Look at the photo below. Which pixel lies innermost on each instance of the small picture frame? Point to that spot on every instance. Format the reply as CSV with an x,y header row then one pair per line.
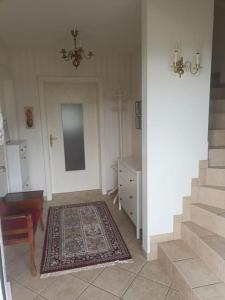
x,y
138,124
29,116
138,108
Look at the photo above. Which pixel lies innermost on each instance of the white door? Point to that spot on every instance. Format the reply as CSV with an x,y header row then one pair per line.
x,y
73,136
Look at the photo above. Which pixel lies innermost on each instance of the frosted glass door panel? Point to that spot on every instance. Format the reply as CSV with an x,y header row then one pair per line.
x,y
73,136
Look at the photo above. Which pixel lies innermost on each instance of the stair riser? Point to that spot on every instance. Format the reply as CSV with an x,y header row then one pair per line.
x,y
217,106
217,93
214,177
209,220
209,196
179,282
216,157
216,138
186,209
217,121
215,262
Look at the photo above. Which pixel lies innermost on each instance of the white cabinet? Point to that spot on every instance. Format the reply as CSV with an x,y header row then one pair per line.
x,y
17,166
129,178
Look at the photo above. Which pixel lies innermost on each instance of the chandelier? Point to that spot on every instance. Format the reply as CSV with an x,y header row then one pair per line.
x,y
78,53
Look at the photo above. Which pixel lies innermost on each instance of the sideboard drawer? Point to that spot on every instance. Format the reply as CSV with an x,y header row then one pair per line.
x,y
130,193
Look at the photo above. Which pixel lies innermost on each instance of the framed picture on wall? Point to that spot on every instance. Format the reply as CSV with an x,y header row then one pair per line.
x,y
138,115
29,116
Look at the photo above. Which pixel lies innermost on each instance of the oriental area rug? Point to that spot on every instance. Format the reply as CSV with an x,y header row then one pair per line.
x,y
81,236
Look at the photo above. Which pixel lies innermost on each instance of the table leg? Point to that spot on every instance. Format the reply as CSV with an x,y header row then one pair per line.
x,y
42,222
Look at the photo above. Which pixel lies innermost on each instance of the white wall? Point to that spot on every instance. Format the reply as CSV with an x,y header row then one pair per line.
x,y
4,62
4,77
176,110
4,69
136,92
114,69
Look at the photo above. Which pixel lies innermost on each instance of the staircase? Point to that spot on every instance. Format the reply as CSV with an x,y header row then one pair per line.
x,y
196,262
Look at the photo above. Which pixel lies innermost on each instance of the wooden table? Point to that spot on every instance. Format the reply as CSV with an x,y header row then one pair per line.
x,y
21,201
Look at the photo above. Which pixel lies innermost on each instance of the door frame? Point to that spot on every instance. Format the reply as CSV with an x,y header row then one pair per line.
x,y
45,133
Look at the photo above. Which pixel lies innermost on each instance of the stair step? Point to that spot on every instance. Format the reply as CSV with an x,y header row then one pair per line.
x,y
215,176
217,137
209,195
209,217
217,121
217,106
187,270
217,93
210,292
216,157
209,246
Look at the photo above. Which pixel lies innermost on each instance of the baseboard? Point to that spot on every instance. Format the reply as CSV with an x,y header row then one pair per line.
x,y
155,240
160,238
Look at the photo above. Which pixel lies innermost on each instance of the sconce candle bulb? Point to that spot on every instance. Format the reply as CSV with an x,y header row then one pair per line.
x,y
175,56
197,58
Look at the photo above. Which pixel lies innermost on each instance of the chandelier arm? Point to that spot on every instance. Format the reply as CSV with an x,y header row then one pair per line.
x,y
88,55
70,54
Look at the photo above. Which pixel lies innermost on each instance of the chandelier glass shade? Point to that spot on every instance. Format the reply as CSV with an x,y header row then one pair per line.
x,y
78,53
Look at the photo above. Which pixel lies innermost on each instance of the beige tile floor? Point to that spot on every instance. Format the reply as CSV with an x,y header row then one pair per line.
x,y
139,280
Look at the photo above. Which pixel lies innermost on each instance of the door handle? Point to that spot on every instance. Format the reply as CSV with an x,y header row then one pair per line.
x,y
51,139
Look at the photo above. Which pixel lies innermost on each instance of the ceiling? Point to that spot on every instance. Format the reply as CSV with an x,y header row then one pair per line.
x,y
105,24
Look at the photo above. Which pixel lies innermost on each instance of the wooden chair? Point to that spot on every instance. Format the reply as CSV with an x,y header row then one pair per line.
x,y
20,228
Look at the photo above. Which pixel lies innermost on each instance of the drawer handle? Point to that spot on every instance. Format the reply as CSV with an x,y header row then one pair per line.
x,y
131,213
120,171
121,199
131,180
131,197
121,185
24,157
21,149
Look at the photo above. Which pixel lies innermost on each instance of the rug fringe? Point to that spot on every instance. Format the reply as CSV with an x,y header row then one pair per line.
x,y
88,268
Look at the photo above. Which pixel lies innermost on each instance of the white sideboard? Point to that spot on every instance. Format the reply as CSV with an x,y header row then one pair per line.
x,y
17,166
129,179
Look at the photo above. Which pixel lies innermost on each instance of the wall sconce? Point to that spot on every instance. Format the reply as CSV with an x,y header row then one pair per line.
x,y
179,66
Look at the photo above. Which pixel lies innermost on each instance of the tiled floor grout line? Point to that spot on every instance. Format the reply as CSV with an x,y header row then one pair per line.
x,y
24,286
133,280
129,285
167,293
184,259
197,287
92,284
155,281
83,292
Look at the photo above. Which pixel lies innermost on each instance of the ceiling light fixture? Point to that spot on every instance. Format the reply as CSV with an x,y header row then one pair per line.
x,y
78,53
